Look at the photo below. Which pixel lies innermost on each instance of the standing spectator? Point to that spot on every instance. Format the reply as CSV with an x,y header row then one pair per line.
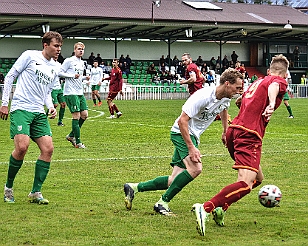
x,y
122,59
36,72
180,70
198,113
296,53
225,63
99,59
115,87
128,60
303,79
234,57
162,60
199,61
193,75
244,141
212,63
72,70
175,62
58,98
91,59
218,65
162,67
96,76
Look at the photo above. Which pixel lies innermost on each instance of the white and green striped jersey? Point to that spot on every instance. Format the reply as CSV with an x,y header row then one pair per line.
x,y
69,68
202,108
36,78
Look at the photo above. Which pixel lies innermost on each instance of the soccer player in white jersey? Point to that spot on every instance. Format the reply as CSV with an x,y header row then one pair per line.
x,y
198,113
36,73
58,98
72,70
96,76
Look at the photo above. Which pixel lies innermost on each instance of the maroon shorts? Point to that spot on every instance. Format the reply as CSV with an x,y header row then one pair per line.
x,y
244,148
112,95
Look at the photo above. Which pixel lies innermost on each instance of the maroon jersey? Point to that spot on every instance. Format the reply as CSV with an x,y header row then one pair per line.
x,y
115,80
199,78
254,102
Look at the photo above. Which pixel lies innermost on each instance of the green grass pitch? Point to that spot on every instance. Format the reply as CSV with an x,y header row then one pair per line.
x,y
85,186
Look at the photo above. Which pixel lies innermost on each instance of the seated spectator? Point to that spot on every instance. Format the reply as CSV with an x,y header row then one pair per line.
x,y
125,68
152,70
210,78
162,67
91,59
164,78
1,78
253,78
180,70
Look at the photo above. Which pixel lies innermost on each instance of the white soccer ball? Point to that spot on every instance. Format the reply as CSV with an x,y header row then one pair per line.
x,y
270,196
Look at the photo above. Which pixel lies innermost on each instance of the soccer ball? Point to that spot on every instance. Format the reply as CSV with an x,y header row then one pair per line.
x,y
270,196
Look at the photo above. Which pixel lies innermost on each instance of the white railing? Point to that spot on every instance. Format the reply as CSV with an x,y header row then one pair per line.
x,y
150,92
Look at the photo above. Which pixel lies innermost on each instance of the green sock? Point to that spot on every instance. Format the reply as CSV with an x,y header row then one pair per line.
x,y
177,185
289,110
76,130
81,121
14,166
61,114
41,171
159,183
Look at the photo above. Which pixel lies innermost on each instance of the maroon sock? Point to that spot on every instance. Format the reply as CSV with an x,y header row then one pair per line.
x,y
115,108
228,195
256,184
111,110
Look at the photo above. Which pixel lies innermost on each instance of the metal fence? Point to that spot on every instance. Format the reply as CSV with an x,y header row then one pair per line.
x,y
150,92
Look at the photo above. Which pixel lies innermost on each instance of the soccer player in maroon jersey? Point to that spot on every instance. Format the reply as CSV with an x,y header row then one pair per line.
x,y
115,87
244,141
193,75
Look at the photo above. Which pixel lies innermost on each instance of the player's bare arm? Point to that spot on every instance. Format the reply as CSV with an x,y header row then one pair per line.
x,y
273,90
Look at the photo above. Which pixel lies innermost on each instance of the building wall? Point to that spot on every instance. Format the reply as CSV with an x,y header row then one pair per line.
x,y
138,50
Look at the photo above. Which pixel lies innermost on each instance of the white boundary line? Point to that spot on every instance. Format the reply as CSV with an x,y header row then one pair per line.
x,y
150,157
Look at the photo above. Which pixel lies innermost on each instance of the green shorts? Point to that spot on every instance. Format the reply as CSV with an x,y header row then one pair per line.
x,y
57,96
95,87
76,103
286,96
180,149
34,125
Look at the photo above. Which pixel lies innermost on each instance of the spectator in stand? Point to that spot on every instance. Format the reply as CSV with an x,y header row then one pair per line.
x,y
193,75
175,62
210,79
128,60
199,61
91,59
234,57
180,70
152,70
122,59
164,78
212,63
162,67
205,67
296,56
125,68
168,60
225,63
218,65
99,59
303,79
162,60
254,77
1,78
